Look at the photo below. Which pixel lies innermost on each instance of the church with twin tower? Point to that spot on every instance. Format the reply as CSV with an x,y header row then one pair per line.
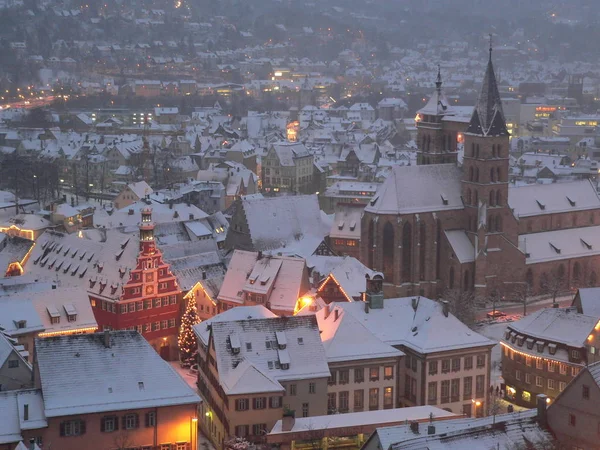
x,y
448,223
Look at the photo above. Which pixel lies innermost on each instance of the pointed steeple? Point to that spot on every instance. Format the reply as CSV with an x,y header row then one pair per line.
x,y
438,81
438,104
488,117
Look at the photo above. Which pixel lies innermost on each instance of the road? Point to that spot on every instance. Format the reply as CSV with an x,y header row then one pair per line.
x,y
517,310
28,104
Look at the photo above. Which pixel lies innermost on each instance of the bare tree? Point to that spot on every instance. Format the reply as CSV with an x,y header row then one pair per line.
x,y
122,440
462,305
553,284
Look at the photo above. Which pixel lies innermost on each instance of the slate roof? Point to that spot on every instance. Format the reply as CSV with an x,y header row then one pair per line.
x,y
418,189
461,245
11,406
560,244
80,375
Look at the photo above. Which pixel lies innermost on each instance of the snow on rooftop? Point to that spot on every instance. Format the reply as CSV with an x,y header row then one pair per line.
x,y
538,199
461,245
560,244
80,375
415,189
425,330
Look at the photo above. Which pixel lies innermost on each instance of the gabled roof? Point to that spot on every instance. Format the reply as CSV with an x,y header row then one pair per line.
x,y
461,245
80,375
424,329
488,117
346,339
294,341
416,189
141,189
11,406
590,301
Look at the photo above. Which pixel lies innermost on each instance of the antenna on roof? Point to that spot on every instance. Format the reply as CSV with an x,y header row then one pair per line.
x,y
490,46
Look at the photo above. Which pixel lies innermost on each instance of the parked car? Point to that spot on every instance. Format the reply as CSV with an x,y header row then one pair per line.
x,y
495,314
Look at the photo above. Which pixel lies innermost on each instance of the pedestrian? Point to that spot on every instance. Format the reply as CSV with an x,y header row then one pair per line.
x,y
497,391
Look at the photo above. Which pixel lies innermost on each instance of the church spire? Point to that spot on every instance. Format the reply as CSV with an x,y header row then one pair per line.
x,y
488,117
438,81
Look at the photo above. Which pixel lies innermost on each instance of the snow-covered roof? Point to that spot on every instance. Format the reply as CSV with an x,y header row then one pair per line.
x,y
560,244
276,222
141,189
538,199
363,418
13,423
350,275
27,222
461,245
556,325
294,341
287,152
416,189
346,339
425,329
590,301
79,374
129,216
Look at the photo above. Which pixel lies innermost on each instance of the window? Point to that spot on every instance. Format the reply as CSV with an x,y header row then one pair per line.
x,y
480,361
551,366
539,381
304,409
275,402
72,428
585,392
151,419
572,420
165,301
480,385
259,403
173,299
388,372
343,401
359,375
240,431
331,403
312,388
433,367
432,392
139,306
259,429
123,309
109,424
374,373
130,421
575,354
388,397
455,389
155,326
539,364
344,376
147,304
456,365
292,389
359,400
248,346
561,386
551,384
373,398
445,394
575,371
528,378
157,302
171,323
13,363
146,327
164,324
467,387
162,285
242,404
528,361
468,362
332,378
518,374
445,365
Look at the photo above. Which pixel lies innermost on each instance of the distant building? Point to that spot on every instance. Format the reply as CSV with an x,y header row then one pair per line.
x,y
288,167
132,193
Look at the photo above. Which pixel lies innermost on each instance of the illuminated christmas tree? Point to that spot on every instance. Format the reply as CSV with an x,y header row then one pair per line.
x,y
188,344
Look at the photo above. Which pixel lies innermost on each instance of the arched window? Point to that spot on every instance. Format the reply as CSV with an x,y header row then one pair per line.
x,y
466,281
544,282
499,151
371,244
492,198
476,198
468,198
529,278
422,250
388,251
493,150
498,198
576,273
428,143
477,174
471,173
490,223
451,278
499,222
406,252
492,175
498,177
477,151
473,149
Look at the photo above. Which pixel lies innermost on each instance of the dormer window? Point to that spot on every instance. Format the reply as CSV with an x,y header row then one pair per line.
x,y
520,340
552,348
71,312
540,347
21,324
285,366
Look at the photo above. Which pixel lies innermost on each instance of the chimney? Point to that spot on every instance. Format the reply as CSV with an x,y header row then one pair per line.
x,y
337,314
32,445
288,421
25,411
130,212
414,427
445,307
260,255
107,338
431,429
204,275
366,307
415,303
191,217
542,412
